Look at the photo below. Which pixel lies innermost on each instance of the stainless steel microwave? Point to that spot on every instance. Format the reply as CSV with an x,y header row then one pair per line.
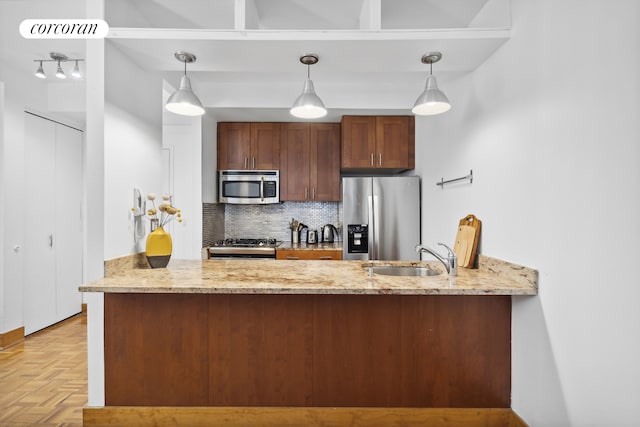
x,y
249,187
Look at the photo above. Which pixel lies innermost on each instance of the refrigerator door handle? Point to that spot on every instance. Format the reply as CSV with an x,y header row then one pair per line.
x,y
370,228
376,227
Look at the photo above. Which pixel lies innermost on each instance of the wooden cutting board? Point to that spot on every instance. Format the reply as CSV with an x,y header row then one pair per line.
x,y
467,240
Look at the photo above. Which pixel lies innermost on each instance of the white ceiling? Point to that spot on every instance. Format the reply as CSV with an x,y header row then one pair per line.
x,y
278,32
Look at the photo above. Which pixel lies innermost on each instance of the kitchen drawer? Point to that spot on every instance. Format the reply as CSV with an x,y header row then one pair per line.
x,y
322,254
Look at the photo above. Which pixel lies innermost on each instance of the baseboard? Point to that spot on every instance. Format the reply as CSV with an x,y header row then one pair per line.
x,y
136,416
12,337
516,421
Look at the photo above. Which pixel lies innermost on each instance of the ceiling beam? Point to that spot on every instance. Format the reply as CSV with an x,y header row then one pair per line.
x,y
287,35
371,15
239,15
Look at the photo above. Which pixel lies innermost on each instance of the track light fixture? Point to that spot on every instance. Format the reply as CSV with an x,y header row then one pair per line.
x,y
432,100
184,101
59,58
308,105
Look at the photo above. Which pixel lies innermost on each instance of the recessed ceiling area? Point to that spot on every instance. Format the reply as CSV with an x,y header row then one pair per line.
x,y
185,14
302,14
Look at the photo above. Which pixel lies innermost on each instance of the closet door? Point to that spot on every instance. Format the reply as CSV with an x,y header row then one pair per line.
x,y
39,243
53,222
68,221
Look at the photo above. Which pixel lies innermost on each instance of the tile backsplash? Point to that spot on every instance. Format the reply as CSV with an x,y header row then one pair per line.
x,y
253,221
212,223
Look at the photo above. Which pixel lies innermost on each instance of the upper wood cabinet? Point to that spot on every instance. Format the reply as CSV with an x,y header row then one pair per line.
x,y
310,162
248,145
378,142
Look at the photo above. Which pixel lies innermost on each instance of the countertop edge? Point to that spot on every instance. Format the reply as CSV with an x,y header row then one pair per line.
x,y
315,277
311,291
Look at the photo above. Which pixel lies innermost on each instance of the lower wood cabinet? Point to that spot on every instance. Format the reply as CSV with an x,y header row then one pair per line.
x,y
307,350
295,254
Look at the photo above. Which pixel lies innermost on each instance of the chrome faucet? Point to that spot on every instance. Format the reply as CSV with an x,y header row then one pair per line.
x,y
450,262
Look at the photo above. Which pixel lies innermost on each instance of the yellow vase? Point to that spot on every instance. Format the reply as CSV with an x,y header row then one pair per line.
x,y
159,248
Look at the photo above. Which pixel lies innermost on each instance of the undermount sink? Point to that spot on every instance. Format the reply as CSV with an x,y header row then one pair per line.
x,y
403,270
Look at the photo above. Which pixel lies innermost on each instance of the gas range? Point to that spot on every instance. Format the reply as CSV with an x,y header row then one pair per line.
x,y
244,248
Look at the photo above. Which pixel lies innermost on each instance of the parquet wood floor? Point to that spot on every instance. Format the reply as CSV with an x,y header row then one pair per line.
x,y
43,380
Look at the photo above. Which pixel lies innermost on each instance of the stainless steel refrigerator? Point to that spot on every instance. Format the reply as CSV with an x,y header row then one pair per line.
x,y
381,218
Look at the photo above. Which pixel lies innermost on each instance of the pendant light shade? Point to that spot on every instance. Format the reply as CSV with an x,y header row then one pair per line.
x,y
432,100
183,101
308,105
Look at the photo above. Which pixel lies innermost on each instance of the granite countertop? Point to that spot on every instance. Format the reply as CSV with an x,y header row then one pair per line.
x,y
264,276
310,247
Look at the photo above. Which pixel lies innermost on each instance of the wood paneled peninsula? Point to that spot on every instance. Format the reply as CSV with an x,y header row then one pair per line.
x,y
302,334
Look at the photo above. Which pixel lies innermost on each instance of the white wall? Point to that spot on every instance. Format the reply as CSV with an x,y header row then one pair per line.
x,y
132,147
209,159
184,142
549,125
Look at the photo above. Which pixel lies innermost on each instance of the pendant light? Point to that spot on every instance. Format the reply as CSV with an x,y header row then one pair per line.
x,y
184,101
308,105
432,100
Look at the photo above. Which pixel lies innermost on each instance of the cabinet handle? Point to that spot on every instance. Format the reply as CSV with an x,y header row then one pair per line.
x,y
253,163
326,257
293,258
380,160
372,159
313,193
245,162
306,193
50,240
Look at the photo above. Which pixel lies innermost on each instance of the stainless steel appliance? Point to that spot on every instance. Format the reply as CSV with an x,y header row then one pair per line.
x,y
329,233
244,248
381,218
312,236
249,187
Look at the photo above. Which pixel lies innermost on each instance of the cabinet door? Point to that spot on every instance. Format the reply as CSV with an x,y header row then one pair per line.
x,y
265,146
392,142
294,162
324,176
234,145
313,254
358,141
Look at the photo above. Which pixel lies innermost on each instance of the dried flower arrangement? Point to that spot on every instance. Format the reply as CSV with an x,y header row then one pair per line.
x,y
167,212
